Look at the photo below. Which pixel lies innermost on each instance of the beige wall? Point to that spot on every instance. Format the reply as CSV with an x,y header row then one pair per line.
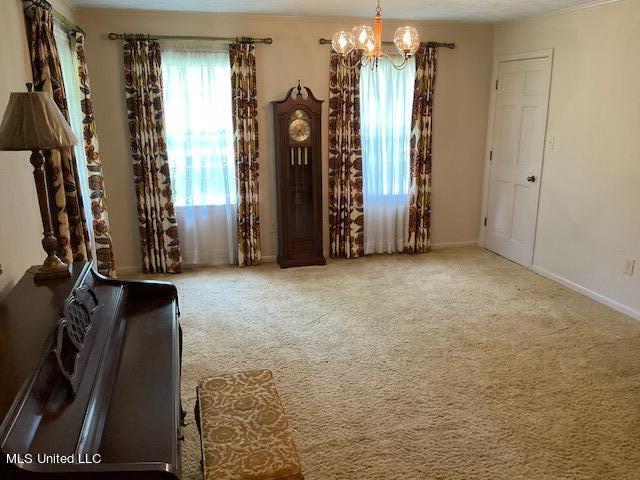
x,y
21,229
589,218
460,109
588,221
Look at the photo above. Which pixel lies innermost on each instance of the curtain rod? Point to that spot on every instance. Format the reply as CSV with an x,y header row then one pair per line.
x,y
146,36
326,41
68,25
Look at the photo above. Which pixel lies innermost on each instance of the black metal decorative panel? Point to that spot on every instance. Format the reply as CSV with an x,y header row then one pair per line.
x,y
75,334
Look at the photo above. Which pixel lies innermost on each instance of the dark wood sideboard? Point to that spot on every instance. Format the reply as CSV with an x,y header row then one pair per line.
x,y
90,373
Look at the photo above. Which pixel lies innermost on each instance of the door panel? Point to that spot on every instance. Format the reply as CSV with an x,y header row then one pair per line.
x,y
518,148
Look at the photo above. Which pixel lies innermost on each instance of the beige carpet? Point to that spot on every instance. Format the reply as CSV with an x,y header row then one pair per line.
x,y
453,365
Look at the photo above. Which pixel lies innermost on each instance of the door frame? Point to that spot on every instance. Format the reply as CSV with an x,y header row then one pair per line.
x,y
484,212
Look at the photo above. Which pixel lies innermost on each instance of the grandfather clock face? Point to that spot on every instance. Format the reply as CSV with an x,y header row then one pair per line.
x,y
299,128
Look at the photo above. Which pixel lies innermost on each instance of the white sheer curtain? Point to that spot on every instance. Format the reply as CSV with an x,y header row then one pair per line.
x,y
386,101
199,135
69,65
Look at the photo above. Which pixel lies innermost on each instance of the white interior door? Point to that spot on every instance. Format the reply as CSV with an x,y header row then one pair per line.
x,y
522,101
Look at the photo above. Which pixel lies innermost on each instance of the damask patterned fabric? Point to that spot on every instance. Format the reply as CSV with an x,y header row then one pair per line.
x,y
245,433
156,213
419,235
70,224
346,217
97,194
245,134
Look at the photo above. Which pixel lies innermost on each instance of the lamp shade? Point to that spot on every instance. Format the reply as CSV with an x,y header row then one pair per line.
x,y
32,121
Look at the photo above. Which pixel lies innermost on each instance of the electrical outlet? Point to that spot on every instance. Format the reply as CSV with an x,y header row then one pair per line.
x,y
629,266
552,142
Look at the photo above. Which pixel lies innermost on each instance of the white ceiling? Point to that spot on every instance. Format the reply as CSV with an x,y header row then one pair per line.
x,y
462,10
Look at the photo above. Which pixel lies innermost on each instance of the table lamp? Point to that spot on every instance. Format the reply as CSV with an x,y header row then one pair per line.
x,y
32,121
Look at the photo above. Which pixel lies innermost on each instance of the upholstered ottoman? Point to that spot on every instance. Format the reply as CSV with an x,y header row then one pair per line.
x,y
244,432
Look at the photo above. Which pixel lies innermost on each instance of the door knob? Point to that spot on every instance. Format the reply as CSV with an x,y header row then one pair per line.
x,y
531,179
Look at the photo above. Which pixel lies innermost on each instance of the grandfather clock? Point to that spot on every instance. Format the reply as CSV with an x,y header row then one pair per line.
x,y
298,139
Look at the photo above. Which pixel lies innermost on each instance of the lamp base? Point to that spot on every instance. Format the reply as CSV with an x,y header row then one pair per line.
x,y
52,268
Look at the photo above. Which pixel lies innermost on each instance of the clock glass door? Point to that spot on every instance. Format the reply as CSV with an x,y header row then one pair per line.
x,y
300,168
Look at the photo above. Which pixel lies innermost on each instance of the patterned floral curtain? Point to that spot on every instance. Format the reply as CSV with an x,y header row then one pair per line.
x,y
245,134
419,237
70,224
156,213
97,194
346,217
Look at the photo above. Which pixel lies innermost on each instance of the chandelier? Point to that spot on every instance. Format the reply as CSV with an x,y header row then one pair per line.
x,y
368,40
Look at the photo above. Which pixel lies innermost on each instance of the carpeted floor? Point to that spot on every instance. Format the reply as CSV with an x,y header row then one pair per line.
x,y
453,365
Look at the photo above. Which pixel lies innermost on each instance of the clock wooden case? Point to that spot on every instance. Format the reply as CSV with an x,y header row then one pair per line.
x,y
298,141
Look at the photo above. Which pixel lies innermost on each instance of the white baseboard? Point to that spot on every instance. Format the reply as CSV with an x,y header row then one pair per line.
x,y
440,246
123,271
589,293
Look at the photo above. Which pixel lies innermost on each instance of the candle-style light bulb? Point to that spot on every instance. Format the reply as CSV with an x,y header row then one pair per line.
x,y
342,43
407,40
362,34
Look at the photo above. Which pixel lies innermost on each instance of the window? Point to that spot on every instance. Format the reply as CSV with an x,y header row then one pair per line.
x,y
199,134
199,129
386,102
69,65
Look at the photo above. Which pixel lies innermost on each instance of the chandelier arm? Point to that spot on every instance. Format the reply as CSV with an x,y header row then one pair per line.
x,y
350,67
398,66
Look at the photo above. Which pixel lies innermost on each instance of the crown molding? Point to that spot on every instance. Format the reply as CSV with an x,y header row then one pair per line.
x,y
277,17
80,9
557,13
